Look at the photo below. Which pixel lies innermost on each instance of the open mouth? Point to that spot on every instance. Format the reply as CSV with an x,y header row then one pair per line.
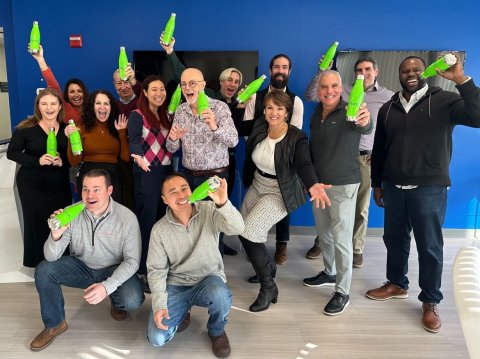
x,y
182,202
102,115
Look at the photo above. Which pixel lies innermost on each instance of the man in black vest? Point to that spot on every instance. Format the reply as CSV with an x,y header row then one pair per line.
x,y
280,67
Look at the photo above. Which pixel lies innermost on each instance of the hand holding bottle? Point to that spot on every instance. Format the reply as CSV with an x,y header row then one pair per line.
x,y
454,73
220,196
46,160
363,116
176,132
57,233
330,65
130,74
168,48
209,118
70,129
140,162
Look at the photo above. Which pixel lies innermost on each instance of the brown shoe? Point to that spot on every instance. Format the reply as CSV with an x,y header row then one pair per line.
x,y
118,314
47,335
387,291
220,345
281,253
314,252
431,319
357,260
184,324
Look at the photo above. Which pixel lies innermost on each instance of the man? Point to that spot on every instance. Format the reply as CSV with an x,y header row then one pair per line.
x,y
230,80
105,253
334,148
375,96
280,68
128,92
185,267
410,177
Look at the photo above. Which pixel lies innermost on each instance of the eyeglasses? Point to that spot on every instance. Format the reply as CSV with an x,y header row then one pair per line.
x,y
192,84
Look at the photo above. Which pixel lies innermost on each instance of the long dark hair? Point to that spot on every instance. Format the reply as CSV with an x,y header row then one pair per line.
x,y
82,86
142,105
90,118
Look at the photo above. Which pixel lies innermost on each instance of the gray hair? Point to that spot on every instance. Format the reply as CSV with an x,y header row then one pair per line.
x,y
226,73
328,72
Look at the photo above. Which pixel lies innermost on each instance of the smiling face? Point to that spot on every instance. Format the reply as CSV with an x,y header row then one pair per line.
x,y
329,89
123,88
369,72
96,194
229,87
409,76
279,73
49,107
75,95
275,115
155,93
175,193
102,107
191,83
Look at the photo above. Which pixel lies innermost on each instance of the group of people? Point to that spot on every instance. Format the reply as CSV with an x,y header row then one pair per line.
x,y
175,247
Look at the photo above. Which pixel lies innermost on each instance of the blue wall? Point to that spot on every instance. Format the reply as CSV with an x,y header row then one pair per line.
x,y
301,29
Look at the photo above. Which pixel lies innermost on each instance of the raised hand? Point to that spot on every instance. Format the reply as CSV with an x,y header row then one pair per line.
x,y
220,196
168,48
122,122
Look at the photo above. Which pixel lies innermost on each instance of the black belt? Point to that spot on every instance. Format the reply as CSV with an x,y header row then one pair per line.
x,y
364,152
213,172
265,174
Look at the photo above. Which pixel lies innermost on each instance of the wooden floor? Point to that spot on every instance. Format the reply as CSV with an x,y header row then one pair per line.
x,y
294,328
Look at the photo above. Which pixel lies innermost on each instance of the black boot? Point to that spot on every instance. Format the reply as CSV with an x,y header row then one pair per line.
x,y
268,289
273,270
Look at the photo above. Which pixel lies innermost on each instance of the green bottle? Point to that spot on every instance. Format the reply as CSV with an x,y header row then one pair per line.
x,y
175,100
66,216
34,44
251,89
201,192
169,28
122,63
202,102
52,142
442,63
356,99
328,57
75,140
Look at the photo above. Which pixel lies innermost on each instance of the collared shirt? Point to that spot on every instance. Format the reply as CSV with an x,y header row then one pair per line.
x,y
204,149
414,98
127,101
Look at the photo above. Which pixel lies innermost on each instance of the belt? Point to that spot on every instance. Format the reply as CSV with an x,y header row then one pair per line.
x,y
265,174
364,152
213,172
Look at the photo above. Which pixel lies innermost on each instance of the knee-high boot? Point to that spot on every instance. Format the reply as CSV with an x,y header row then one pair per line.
x,y
268,289
273,269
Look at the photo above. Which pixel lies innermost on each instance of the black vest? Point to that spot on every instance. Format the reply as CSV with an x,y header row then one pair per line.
x,y
259,103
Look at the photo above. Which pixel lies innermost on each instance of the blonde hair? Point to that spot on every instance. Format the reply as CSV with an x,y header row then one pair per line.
x,y
227,72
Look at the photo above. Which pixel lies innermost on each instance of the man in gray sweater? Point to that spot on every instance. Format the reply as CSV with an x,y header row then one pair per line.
x,y
184,265
105,248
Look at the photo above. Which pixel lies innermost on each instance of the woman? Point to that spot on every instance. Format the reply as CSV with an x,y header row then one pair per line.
x,y
277,158
104,139
42,180
74,95
148,128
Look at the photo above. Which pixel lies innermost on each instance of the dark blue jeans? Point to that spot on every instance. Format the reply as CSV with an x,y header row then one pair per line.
x,y
423,210
71,272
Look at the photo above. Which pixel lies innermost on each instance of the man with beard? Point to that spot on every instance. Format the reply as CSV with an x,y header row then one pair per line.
x,y
410,177
280,68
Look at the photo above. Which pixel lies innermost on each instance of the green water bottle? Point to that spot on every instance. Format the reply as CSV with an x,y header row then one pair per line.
x,y
75,140
201,192
34,44
122,63
328,57
356,99
442,64
202,102
66,216
52,142
251,89
175,100
169,28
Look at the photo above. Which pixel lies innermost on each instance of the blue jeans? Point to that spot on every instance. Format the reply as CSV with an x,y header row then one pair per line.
x,y
211,293
71,272
423,210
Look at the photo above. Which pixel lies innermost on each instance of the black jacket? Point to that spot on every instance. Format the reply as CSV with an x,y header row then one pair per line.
x,y
292,163
415,148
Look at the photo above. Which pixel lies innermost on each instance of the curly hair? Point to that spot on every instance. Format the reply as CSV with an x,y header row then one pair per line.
x,y
82,86
90,119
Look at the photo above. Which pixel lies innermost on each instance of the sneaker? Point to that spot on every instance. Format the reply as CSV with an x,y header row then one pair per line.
x,y
117,314
220,345
143,278
320,280
430,318
281,253
337,304
387,291
358,260
47,335
314,252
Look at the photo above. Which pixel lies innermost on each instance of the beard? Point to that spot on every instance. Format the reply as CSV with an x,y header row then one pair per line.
x,y
279,81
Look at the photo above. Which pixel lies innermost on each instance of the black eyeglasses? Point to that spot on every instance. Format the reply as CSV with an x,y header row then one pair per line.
x,y
192,84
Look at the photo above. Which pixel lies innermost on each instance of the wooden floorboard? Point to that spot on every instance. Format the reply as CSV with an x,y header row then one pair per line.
x,y
293,328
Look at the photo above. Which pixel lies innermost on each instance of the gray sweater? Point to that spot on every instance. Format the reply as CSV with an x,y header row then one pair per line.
x,y
182,255
113,239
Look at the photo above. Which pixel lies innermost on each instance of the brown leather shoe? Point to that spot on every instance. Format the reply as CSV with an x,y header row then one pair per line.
x,y
387,291
184,324
281,253
431,319
314,252
118,314
357,260
220,345
47,335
